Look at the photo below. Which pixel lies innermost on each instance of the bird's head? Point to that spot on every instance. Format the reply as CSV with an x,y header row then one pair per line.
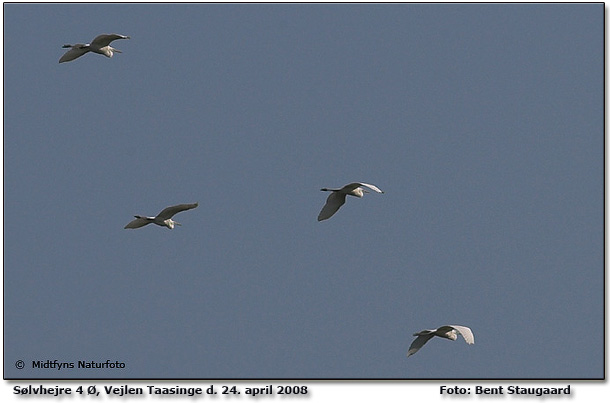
x,y
359,192
169,223
108,51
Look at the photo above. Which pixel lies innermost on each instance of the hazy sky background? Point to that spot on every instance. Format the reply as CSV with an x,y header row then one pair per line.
x,y
483,124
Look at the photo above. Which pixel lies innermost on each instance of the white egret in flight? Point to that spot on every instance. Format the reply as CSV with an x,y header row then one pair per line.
x,y
337,198
101,45
164,218
447,332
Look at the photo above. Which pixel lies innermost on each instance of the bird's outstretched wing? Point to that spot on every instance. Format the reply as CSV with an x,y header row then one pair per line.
x,y
75,52
465,332
169,212
419,343
333,202
138,222
104,40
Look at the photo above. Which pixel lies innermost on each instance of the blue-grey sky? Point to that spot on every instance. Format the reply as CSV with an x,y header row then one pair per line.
x,y
483,124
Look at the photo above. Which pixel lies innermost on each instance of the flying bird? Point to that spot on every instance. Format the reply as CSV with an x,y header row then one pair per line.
x,y
101,45
447,332
337,198
164,218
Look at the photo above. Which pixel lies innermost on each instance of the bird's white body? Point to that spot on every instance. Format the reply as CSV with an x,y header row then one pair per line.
x,y
100,45
164,218
337,198
446,332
